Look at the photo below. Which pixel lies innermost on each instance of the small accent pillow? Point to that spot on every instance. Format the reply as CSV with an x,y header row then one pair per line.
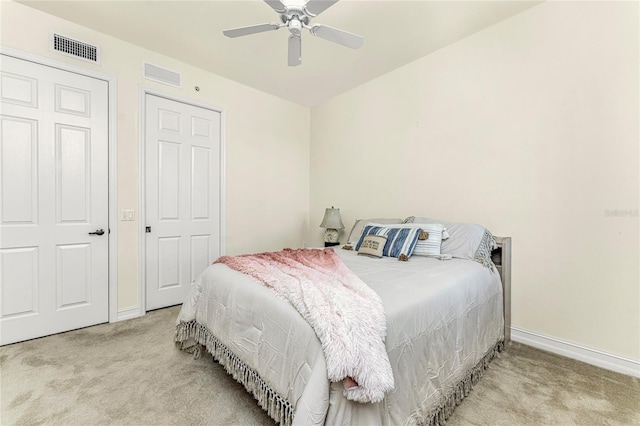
x,y
372,245
401,241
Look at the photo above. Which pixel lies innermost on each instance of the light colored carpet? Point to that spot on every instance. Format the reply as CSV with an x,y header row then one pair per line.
x,y
130,373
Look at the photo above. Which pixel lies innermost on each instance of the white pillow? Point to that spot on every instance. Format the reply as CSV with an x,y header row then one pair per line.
x,y
468,240
430,246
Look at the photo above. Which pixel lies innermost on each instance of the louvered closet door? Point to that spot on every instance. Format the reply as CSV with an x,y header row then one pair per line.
x,y
54,192
182,190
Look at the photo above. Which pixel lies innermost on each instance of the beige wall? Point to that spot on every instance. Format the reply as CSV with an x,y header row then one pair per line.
x,y
267,164
529,127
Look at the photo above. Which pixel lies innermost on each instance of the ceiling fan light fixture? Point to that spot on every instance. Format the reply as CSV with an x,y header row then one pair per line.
x,y
295,26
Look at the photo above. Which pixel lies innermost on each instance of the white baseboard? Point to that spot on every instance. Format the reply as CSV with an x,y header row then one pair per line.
x,y
128,313
591,356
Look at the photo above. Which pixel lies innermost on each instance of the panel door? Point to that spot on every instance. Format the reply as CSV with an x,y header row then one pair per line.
x,y
53,194
182,191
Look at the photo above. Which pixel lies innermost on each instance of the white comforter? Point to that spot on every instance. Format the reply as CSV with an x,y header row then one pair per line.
x,y
442,318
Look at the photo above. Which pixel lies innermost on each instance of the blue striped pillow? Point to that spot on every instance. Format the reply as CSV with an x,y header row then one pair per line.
x,y
401,240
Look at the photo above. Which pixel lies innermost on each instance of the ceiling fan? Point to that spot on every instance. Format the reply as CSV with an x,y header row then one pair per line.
x,y
296,15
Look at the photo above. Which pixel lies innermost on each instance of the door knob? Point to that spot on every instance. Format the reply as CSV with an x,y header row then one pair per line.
x,y
97,232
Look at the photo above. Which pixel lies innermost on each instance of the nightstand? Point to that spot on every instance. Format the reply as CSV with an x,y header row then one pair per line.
x,y
331,244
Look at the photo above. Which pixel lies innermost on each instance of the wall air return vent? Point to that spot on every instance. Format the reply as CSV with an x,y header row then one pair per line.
x,y
75,48
162,75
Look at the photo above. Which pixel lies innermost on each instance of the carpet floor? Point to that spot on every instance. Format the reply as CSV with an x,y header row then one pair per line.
x,y
130,373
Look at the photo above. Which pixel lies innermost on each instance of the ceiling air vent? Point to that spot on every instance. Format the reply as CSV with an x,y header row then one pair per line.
x,y
75,48
162,75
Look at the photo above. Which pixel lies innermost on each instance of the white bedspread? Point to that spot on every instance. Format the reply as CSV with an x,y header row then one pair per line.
x,y
442,318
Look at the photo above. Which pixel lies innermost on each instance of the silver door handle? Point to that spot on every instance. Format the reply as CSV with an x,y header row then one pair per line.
x,y
97,232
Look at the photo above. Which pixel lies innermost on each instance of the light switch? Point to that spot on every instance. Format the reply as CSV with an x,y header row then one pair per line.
x,y
128,214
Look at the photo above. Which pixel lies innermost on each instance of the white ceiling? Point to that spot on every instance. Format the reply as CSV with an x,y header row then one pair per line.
x,y
396,33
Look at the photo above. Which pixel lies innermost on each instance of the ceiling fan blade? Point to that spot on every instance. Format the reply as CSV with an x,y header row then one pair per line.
x,y
335,35
316,7
295,50
253,29
276,5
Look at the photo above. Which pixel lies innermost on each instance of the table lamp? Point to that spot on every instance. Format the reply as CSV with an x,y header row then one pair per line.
x,y
332,223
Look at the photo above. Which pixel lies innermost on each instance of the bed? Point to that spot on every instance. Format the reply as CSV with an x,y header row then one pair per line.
x,y
447,317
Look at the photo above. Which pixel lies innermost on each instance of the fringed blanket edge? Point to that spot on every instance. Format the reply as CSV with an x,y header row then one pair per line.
x,y
444,410
281,410
276,406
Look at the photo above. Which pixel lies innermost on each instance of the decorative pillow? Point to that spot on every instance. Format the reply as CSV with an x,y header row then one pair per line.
x,y
401,240
431,245
372,245
467,240
358,226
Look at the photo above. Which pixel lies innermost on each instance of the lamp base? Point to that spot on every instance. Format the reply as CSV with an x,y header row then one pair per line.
x,y
331,244
331,235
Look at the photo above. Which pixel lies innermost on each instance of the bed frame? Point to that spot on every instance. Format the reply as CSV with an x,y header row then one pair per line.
x,y
501,257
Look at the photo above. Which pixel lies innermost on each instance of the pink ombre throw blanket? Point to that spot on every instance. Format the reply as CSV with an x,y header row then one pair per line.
x,y
346,315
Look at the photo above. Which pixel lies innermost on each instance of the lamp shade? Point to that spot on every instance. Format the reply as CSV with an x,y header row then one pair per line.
x,y
332,219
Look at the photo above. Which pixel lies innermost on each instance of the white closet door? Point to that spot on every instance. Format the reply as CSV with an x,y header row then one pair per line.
x,y
54,194
182,190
